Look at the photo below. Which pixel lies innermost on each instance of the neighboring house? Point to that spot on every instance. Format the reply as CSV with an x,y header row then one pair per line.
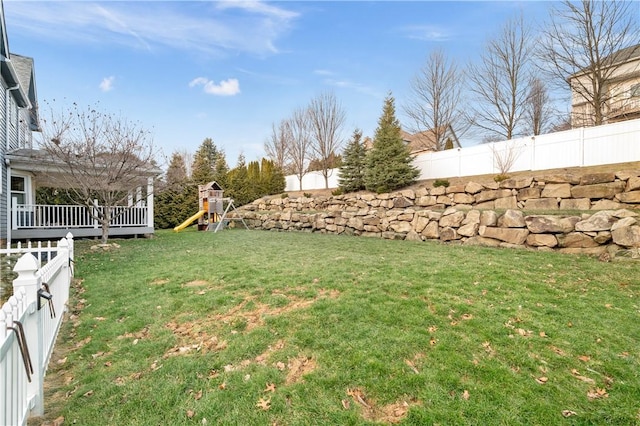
x,y
422,142
425,141
23,168
622,91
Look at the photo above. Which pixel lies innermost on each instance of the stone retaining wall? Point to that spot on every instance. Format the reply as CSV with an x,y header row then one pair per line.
x,y
475,213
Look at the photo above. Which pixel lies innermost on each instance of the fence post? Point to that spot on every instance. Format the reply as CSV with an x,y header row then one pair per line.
x,y
69,238
63,250
29,282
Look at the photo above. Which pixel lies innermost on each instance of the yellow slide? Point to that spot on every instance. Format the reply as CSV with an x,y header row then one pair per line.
x,y
188,221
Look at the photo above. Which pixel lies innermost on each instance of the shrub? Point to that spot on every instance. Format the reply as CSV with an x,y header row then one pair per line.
x,y
499,178
307,195
284,195
337,191
441,182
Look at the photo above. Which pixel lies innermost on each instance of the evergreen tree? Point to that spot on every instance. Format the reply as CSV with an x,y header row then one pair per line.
x,y
255,183
238,186
272,176
221,171
388,164
448,144
353,166
204,162
175,200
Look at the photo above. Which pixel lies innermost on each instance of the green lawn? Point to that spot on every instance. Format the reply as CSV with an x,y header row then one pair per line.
x,y
263,328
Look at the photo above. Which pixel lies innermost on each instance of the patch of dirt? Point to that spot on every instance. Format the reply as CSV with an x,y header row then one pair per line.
x,y
299,367
196,283
255,317
193,338
195,335
159,281
389,414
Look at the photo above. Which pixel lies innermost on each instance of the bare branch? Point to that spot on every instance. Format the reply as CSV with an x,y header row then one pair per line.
x,y
95,155
500,81
326,119
581,50
435,97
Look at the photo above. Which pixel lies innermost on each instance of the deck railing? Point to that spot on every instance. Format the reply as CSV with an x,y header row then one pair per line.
x,y
34,216
29,324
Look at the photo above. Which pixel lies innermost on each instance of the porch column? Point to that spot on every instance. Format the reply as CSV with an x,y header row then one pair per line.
x,y
150,202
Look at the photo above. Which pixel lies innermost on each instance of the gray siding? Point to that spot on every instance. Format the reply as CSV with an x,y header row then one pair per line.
x,y
3,167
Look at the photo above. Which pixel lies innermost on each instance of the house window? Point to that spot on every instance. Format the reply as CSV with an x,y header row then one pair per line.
x,y
634,92
19,189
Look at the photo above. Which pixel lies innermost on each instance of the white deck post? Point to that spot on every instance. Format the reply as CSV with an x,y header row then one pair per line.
x,y
150,202
29,282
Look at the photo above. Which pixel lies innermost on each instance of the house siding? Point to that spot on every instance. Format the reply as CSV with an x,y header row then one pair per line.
x,y
3,167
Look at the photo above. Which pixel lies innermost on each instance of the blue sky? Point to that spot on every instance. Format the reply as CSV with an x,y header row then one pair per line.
x,y
188,70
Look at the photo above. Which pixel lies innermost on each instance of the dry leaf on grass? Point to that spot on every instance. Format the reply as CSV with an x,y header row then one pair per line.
x,y
264,404
597,393
413,367
578,376
346,404
542,380
270,387
198,395
568,413
584,358
190,413
465,395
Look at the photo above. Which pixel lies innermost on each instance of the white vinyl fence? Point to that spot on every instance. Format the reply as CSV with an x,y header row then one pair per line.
x,y
29,324
585,146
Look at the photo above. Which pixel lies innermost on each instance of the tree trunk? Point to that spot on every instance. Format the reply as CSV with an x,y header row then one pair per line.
x,y
104,222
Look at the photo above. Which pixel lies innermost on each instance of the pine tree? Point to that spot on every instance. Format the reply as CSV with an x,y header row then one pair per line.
x,y
388,164
204,162
238,185
221,171
272,176
353,166
176,200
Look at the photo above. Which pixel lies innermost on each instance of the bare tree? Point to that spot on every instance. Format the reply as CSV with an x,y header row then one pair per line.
x,y
538,111
500,81
582,45
326,119
101,160
435,97
277,146
300,128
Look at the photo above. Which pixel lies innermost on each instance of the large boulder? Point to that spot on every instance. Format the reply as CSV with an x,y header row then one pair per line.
x,y
512,219
600,221
515,236
600,190
541,240
556,190
576,240
627,236
453,219
594,178
548,224
541,204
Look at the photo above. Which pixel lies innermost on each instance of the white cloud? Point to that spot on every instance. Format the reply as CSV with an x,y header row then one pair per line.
x,y
229,87
106,85
426,32
202,27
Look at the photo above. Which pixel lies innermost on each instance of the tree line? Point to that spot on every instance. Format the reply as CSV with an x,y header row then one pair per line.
x,y
177,194
506,94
